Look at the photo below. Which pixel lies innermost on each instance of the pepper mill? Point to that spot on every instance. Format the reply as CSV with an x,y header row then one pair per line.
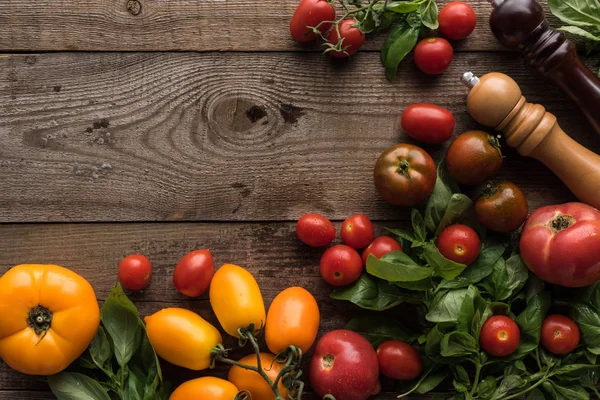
x,y
521,25
496,101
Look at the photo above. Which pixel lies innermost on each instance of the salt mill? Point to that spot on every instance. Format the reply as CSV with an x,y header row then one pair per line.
x,y
521,25
495,100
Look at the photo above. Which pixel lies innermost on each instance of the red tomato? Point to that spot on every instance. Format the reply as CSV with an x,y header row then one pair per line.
x,y
135,272
473,157
353,38
399,360
357,231
310,13
380,247
433,56
344,365
340,265
315,230
502,207
459,243
560,334
194,272
457,20
500,336
428,123
561,244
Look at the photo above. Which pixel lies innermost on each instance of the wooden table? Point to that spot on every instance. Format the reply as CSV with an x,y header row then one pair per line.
x,y
164,126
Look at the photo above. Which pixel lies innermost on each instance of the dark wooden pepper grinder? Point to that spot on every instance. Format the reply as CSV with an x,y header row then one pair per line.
x,y
521,25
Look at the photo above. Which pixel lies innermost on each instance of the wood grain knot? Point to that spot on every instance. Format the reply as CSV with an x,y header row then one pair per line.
x,y
134,7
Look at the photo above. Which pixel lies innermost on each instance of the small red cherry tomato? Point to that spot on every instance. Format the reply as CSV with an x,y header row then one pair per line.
x,y
433,55
459,243
194,272
500,336
315,230
560,334
380,247
353,38
310,13
135,272
340,265
399,360
357,231
428,123
457,20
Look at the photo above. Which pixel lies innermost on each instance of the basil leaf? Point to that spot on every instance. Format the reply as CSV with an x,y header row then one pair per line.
x,y
404,235
448,307
575,392
134,385
371,294
378,329
100,348
429,14
536,394
434,339
121,320
569,369
458,206
400,41
438,202
402,7
397,266
458,344
533,287
481,268
422,285
486,387
577,12
431,382
509,383
507,277
589,324
530,321
418,224
579,32
445,268
74,386
86,363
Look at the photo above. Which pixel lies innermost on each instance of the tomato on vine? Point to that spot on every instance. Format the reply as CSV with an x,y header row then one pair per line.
x,y
311,13
350,39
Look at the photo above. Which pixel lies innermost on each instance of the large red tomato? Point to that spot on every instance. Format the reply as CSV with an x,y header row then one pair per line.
x,y
561,244
353,38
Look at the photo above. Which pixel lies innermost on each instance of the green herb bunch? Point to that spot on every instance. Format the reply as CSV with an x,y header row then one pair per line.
x,y
453,301
582,18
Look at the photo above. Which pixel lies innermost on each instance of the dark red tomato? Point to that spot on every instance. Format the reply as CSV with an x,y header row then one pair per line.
x,y
357,231
399,360
428,123
135,272
459,243
433,55
457,20
405,175
502,207
353,38
340,265
473,157
310,13
560,334
500,336
380,247
194,272
315,230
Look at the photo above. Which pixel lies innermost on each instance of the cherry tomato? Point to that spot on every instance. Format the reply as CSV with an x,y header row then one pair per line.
x,y
353,38
500,336
310,13
560,334
340,265
428,123
380,247
357,231
293,319
194,272
405,175
399,360
459,243
433,55
205,388
457,20
251,381
315,230
473,157
502,207
135,272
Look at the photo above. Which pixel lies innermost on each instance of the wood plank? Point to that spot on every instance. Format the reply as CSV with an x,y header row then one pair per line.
x,y
207,25
205,137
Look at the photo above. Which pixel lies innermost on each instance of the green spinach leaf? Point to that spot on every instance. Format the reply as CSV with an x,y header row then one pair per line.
x,y
508,384
480,269
487,386
458,344
74,386
583,13
429,14
589,324
507,277
438,202
575,30
397,266
530,321
100,348
418,224
401,40
431,382
371,294
458,206
574,392
448,307
443,267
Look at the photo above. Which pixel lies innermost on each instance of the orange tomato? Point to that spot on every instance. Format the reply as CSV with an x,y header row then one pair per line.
x,y
48,317
251,381
205,388
293,319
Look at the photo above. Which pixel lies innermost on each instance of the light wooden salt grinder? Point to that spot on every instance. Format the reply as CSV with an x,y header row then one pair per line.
x,y
495,101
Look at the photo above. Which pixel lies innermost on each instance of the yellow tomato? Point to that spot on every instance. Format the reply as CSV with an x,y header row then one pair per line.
x,y
236,299
48,317
206,388
251,381
293,319
182,337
